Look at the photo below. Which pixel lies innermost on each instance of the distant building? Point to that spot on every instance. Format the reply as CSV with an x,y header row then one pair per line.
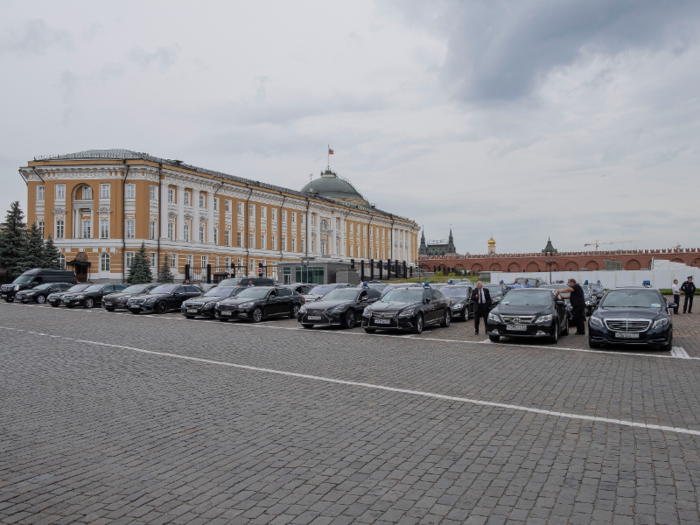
x,y
549,248
437,247
492,246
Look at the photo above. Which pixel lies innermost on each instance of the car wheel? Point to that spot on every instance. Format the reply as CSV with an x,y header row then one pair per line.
x,y
295,312
89,303
418,326
350,319
40,299
308,326
465,315
257,315
593,344
370,330
447,319
495,338
565,331
109,309
555,337
161,308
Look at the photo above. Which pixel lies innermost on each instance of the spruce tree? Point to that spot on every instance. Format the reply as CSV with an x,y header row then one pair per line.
x,y
140,270
165,275
13,241
51,255
33,253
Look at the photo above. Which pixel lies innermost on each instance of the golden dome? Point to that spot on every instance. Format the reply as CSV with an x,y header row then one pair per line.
x,y
491,242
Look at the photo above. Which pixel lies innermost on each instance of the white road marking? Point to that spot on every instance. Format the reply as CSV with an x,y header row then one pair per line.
x,y
479,402
679,351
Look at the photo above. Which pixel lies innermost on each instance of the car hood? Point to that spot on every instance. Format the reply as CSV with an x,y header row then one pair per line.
x,y
311,297
121,295
383,306
241,300
204,300
60,294
325,305
152,295
455,300
627,313
523,310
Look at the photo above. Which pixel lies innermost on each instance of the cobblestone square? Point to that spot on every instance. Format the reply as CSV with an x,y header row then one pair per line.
x,y
111,418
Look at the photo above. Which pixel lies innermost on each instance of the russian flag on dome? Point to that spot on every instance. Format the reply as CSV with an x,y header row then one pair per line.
x,y
330,151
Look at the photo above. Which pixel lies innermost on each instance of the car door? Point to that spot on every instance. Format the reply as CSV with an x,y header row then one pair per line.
x,y
429,307
441,303
105,290
286,300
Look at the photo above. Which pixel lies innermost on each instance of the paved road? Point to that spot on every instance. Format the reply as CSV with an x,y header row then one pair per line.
x,y
115,418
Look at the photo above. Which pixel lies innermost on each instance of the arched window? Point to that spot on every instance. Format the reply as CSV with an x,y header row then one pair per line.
x,y
62,261
104,262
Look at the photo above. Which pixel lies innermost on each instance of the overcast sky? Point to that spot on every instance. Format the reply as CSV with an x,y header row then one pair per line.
x,y
570,119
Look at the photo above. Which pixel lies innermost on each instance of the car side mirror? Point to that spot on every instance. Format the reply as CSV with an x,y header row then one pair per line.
x,y
560,302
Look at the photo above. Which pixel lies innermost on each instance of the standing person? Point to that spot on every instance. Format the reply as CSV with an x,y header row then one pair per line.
x,y
527,284
482,303
199,284
578,304
688,288
515,285
676,295
250,284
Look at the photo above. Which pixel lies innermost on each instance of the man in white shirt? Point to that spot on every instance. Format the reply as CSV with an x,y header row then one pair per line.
x,y
676,295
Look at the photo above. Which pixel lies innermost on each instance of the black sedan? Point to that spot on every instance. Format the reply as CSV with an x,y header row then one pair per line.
x,y
204,304
299,288
258,303
391,287
55,299
320,290
341,307
460,304
409,308
496,290
632,316
115,300
162,298
529,313
91,296
597,290
39,293
591,299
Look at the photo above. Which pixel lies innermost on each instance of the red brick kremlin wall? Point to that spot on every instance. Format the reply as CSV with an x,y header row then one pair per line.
x,y
565,261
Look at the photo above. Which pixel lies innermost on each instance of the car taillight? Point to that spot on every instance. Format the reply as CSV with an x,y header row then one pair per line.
x,y
303,300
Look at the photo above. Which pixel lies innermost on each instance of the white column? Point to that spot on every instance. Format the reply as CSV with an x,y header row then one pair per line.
x,y
180,213
164,210
210,217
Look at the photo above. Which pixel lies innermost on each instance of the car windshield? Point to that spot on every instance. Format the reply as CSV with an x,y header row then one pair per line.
x,y
454,291
494,288
43,286
78,287
404,295
136,288
632,299
95,288
528,297
253,293
23,279
379,287
230,282
220,292
321,290
597,288
347,294
163,288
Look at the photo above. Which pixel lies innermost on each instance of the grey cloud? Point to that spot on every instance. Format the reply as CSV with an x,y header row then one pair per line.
x,y
163,57
35,37
68,85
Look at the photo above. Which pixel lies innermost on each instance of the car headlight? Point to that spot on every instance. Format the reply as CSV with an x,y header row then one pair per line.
x,y
367,313
302,310
209,305
16,287
245,305
149,301
406,312
660,323
80,296
458,306
544,318
596,322
495,318
338,309
588,303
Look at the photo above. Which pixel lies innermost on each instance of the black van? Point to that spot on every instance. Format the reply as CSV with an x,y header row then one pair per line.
x,y
35,277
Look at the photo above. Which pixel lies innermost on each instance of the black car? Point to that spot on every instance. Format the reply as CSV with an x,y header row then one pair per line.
x,y
597,289
245,281
632,315
115,300
409,308
460,304
258,303
565,296
390,287
299,288
91,296
376,285
33,278
529,313
39,293
162,298
55,299
496,291
320,290
204,304
590,298
340,307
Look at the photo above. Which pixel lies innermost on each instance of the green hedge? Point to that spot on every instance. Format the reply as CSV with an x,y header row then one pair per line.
x,y
667,291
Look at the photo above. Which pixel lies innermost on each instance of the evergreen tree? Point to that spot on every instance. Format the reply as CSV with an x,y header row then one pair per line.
x,y
51,255
33,253
13,240
165,275
140,270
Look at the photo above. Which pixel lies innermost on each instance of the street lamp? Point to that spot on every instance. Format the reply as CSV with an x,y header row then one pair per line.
x,y
550,262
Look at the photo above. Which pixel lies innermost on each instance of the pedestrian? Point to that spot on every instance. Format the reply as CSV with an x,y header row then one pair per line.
x,y
481,298
515,285
199,284
578,305
250,284
187,281
676,295
527,284
688,288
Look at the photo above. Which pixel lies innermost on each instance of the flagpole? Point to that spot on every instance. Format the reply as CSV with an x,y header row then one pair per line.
x,y
328,154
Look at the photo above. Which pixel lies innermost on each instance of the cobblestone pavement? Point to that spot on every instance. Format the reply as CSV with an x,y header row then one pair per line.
x,y
115,418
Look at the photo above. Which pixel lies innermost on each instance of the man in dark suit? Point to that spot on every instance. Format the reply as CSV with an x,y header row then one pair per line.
x,y
482,304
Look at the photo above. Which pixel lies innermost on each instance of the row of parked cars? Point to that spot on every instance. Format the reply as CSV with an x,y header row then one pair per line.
x,y
622,315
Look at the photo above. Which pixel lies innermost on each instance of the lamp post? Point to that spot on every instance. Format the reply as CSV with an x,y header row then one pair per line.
x,y
550,262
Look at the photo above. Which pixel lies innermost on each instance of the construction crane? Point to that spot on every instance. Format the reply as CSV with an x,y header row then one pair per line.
x,y
598,243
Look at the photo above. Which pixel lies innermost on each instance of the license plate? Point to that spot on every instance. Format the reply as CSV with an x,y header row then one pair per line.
x,y
314,318
108,304
517,327
192,311
627,335
225,313
382,321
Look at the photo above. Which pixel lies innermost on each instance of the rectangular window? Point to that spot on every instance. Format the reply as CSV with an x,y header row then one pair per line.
x,y
201,233
60,192
188,259
313,245
171,231
240,208
87,192
173,260
153,259
274,214
187,232
187,198
152,230
273,242
40,226
153,193
251,211
40,193
129,259
60,229
105,190
104,228
313,220
202,203
251,268
303,246
303,219
216,203
294,245
227,238
283,244
263,243
284,215
251,241
204,261
227,262
239,239
86,228
130,229
337,223
130,191
227,206
294,217
263,212
171,194
216,236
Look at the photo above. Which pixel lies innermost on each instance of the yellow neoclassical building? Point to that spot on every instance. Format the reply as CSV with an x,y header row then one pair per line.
x,y
101,205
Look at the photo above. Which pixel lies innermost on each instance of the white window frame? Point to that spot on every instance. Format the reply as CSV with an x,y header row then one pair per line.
x,y
240,208
86,229
294,217
153,259
251,241
40,226
60,192
40,192
227,205
283,244
216,236
294,245
129,259
263,212
239,240
60,229
227,238
216,203
153,193
152,230
204,261
171,230
88,190
189,259
263,241
130,192
187,231
130,229
106,190
171,194
202,232
187,198
274,214
273,242
284,216
104,228
173,260
105,260
202,200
